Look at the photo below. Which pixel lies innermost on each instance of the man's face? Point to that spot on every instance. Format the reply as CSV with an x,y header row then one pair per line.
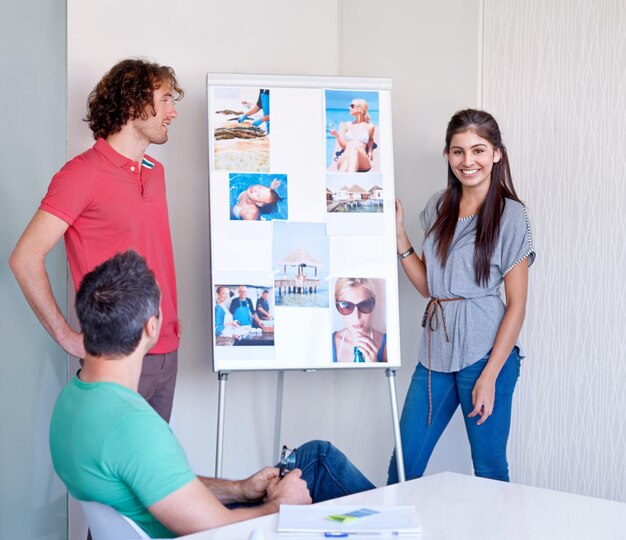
x,y
242,292
154,126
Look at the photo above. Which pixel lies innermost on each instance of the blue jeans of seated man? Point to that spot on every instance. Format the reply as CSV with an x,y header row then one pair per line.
x,y
487,441
328,472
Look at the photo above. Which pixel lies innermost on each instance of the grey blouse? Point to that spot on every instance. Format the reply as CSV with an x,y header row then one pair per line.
x,y
472,323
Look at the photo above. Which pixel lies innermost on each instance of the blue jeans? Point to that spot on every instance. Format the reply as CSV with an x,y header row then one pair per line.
x,y
487,441
328,472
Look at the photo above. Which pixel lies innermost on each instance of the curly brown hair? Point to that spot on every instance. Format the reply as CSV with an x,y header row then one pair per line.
x,y
126,92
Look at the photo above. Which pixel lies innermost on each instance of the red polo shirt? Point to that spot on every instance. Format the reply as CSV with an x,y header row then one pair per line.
x,y
112,205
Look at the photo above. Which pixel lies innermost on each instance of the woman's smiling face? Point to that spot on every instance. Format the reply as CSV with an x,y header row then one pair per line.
x,y
471,159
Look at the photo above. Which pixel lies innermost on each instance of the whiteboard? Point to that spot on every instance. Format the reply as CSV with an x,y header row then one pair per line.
x,y
302,227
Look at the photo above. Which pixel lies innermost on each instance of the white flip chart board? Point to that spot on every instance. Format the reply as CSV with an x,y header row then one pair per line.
x,y
302,224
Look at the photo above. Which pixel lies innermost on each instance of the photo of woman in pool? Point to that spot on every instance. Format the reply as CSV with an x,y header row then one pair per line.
x,y
258,197
360,314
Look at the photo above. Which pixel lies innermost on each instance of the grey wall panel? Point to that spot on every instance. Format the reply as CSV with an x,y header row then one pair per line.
x,y
33,368
554,76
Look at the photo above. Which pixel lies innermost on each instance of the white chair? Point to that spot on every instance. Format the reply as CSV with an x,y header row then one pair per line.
x,y
106,523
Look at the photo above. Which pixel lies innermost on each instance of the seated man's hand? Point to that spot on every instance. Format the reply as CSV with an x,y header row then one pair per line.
x,y
254,488
290,489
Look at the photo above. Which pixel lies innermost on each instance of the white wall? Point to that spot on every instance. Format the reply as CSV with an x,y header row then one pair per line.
x,y
555,74
322,38
431,50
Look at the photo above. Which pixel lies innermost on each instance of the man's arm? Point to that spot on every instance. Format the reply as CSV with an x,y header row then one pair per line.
x,y
261,310
251,489
28,263
255,317
194,508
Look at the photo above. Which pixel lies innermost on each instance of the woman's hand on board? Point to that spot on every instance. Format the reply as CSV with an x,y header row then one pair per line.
x,y
399,217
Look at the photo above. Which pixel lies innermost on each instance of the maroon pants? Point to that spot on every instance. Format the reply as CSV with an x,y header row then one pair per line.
x,y
158,381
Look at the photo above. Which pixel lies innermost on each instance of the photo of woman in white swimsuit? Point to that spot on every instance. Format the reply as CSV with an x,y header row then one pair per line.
x,y
352,142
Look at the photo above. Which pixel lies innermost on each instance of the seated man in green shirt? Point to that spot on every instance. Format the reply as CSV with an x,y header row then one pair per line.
x,y
109,445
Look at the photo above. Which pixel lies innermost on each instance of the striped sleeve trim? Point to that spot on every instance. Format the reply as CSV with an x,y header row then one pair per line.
x,y
531,249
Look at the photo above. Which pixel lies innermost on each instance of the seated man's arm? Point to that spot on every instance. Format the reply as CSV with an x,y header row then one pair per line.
x,y
251,489
194,508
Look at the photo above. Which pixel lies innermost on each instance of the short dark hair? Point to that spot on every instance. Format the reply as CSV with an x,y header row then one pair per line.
x,y
125,93
114,302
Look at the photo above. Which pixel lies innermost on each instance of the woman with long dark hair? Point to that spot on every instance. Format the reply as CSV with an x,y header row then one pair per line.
x,y
477,238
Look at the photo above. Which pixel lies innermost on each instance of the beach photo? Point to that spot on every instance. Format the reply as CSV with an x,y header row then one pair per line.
x,y
241,129
258,196
352,131
300,263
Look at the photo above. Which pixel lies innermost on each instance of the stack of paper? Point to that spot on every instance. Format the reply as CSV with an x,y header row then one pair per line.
x,y
321,518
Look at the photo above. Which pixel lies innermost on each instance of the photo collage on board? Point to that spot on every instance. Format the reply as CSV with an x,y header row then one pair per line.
x,y
260,208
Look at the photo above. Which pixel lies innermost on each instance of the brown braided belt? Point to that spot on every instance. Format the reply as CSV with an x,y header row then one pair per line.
x,y
431,318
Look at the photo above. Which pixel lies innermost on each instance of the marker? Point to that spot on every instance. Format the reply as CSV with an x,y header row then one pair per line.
x,y
341,534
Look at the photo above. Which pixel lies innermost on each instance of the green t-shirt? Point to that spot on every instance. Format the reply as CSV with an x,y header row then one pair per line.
x,y
109,445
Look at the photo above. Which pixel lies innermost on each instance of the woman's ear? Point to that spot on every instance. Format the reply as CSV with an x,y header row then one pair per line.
x,y
497,155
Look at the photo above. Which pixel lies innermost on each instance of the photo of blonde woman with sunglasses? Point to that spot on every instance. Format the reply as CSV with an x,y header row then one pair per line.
x,y
356,303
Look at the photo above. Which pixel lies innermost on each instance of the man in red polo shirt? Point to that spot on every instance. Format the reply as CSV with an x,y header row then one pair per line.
x,y
107,200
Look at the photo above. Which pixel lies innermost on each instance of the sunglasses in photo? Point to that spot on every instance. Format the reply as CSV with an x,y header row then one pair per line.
x,y
345,308
287,461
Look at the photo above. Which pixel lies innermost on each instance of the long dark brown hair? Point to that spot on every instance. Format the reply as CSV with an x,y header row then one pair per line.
x,y
490,212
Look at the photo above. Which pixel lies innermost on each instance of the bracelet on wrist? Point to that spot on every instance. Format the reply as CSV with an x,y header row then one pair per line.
x,y
406,253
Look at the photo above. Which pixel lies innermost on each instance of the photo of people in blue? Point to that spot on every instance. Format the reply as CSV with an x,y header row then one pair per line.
x,y
243,315
241,129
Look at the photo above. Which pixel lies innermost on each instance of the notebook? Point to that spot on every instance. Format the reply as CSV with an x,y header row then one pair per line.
x,y
327,518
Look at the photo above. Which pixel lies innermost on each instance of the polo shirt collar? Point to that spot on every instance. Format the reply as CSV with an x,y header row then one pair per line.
x,y
117,159
112,155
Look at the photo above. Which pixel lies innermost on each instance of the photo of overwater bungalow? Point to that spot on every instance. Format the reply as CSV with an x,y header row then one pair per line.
x,y
300,263
362,196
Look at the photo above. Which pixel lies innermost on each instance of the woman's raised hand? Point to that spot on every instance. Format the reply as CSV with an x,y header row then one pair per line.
x,y
399,217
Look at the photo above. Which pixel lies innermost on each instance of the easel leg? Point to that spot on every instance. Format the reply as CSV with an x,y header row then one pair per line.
x,y
391,377
278,415
222,377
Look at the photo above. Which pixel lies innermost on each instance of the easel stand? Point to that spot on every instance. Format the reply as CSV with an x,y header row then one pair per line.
x,y
222,377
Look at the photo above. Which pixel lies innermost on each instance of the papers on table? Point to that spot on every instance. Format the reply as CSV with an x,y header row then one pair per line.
x,y
314,519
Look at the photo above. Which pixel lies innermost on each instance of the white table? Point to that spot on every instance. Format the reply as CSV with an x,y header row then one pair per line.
x,y
458,507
